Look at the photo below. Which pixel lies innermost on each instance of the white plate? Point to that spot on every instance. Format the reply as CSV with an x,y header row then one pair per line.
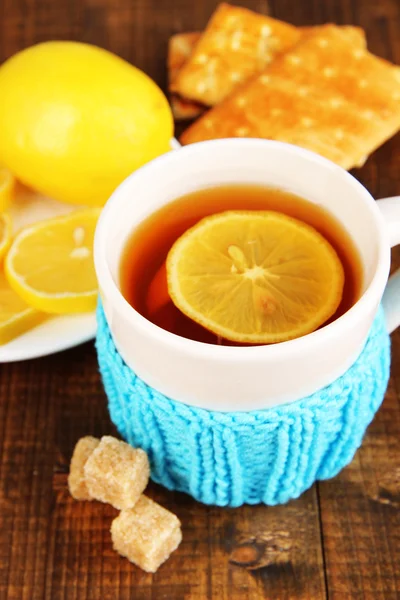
x,y
58,333
54,335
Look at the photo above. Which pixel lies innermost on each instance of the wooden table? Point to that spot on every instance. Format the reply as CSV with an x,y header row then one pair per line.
x,y
340,540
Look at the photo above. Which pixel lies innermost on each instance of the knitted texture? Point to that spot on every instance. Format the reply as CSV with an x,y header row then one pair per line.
x,y
267,456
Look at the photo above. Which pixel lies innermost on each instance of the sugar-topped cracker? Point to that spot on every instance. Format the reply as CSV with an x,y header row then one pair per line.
x,y
236,44
326,95
180,47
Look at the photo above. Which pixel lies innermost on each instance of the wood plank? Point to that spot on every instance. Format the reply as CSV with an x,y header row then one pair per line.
x,y
54,548
208,564
361,533
360,509
359,514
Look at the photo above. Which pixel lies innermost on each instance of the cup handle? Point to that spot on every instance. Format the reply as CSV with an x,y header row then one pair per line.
x,y
390,210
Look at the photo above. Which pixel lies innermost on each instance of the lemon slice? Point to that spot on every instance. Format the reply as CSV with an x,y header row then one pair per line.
x,y
7,184
255,276
5,234
16,317
50,264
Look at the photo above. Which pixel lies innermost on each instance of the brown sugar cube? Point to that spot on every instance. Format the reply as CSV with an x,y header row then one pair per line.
x,y
116,473
146,534
76,479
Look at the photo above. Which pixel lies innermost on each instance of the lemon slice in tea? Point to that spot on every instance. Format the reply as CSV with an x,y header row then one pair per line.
x,y
255,276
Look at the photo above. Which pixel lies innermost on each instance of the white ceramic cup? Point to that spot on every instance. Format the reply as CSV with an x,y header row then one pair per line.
x,y
247,378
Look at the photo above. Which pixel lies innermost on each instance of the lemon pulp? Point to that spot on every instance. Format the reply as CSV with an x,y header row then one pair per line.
x,y
50,264
255,276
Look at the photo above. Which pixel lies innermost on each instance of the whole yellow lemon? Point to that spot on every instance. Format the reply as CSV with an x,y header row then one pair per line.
x,y
75,120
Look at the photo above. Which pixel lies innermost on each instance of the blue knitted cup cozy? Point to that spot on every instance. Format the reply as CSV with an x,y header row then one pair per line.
x,y
268,456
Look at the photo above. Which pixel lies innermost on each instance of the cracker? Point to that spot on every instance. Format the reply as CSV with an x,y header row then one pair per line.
x,y
180,47
237,44
185,110
354,34
325,95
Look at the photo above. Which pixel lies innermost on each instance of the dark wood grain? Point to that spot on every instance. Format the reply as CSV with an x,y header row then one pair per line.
x,y
340,540
360,533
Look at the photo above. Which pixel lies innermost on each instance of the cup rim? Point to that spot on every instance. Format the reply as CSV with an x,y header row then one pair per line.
x,y
368,299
